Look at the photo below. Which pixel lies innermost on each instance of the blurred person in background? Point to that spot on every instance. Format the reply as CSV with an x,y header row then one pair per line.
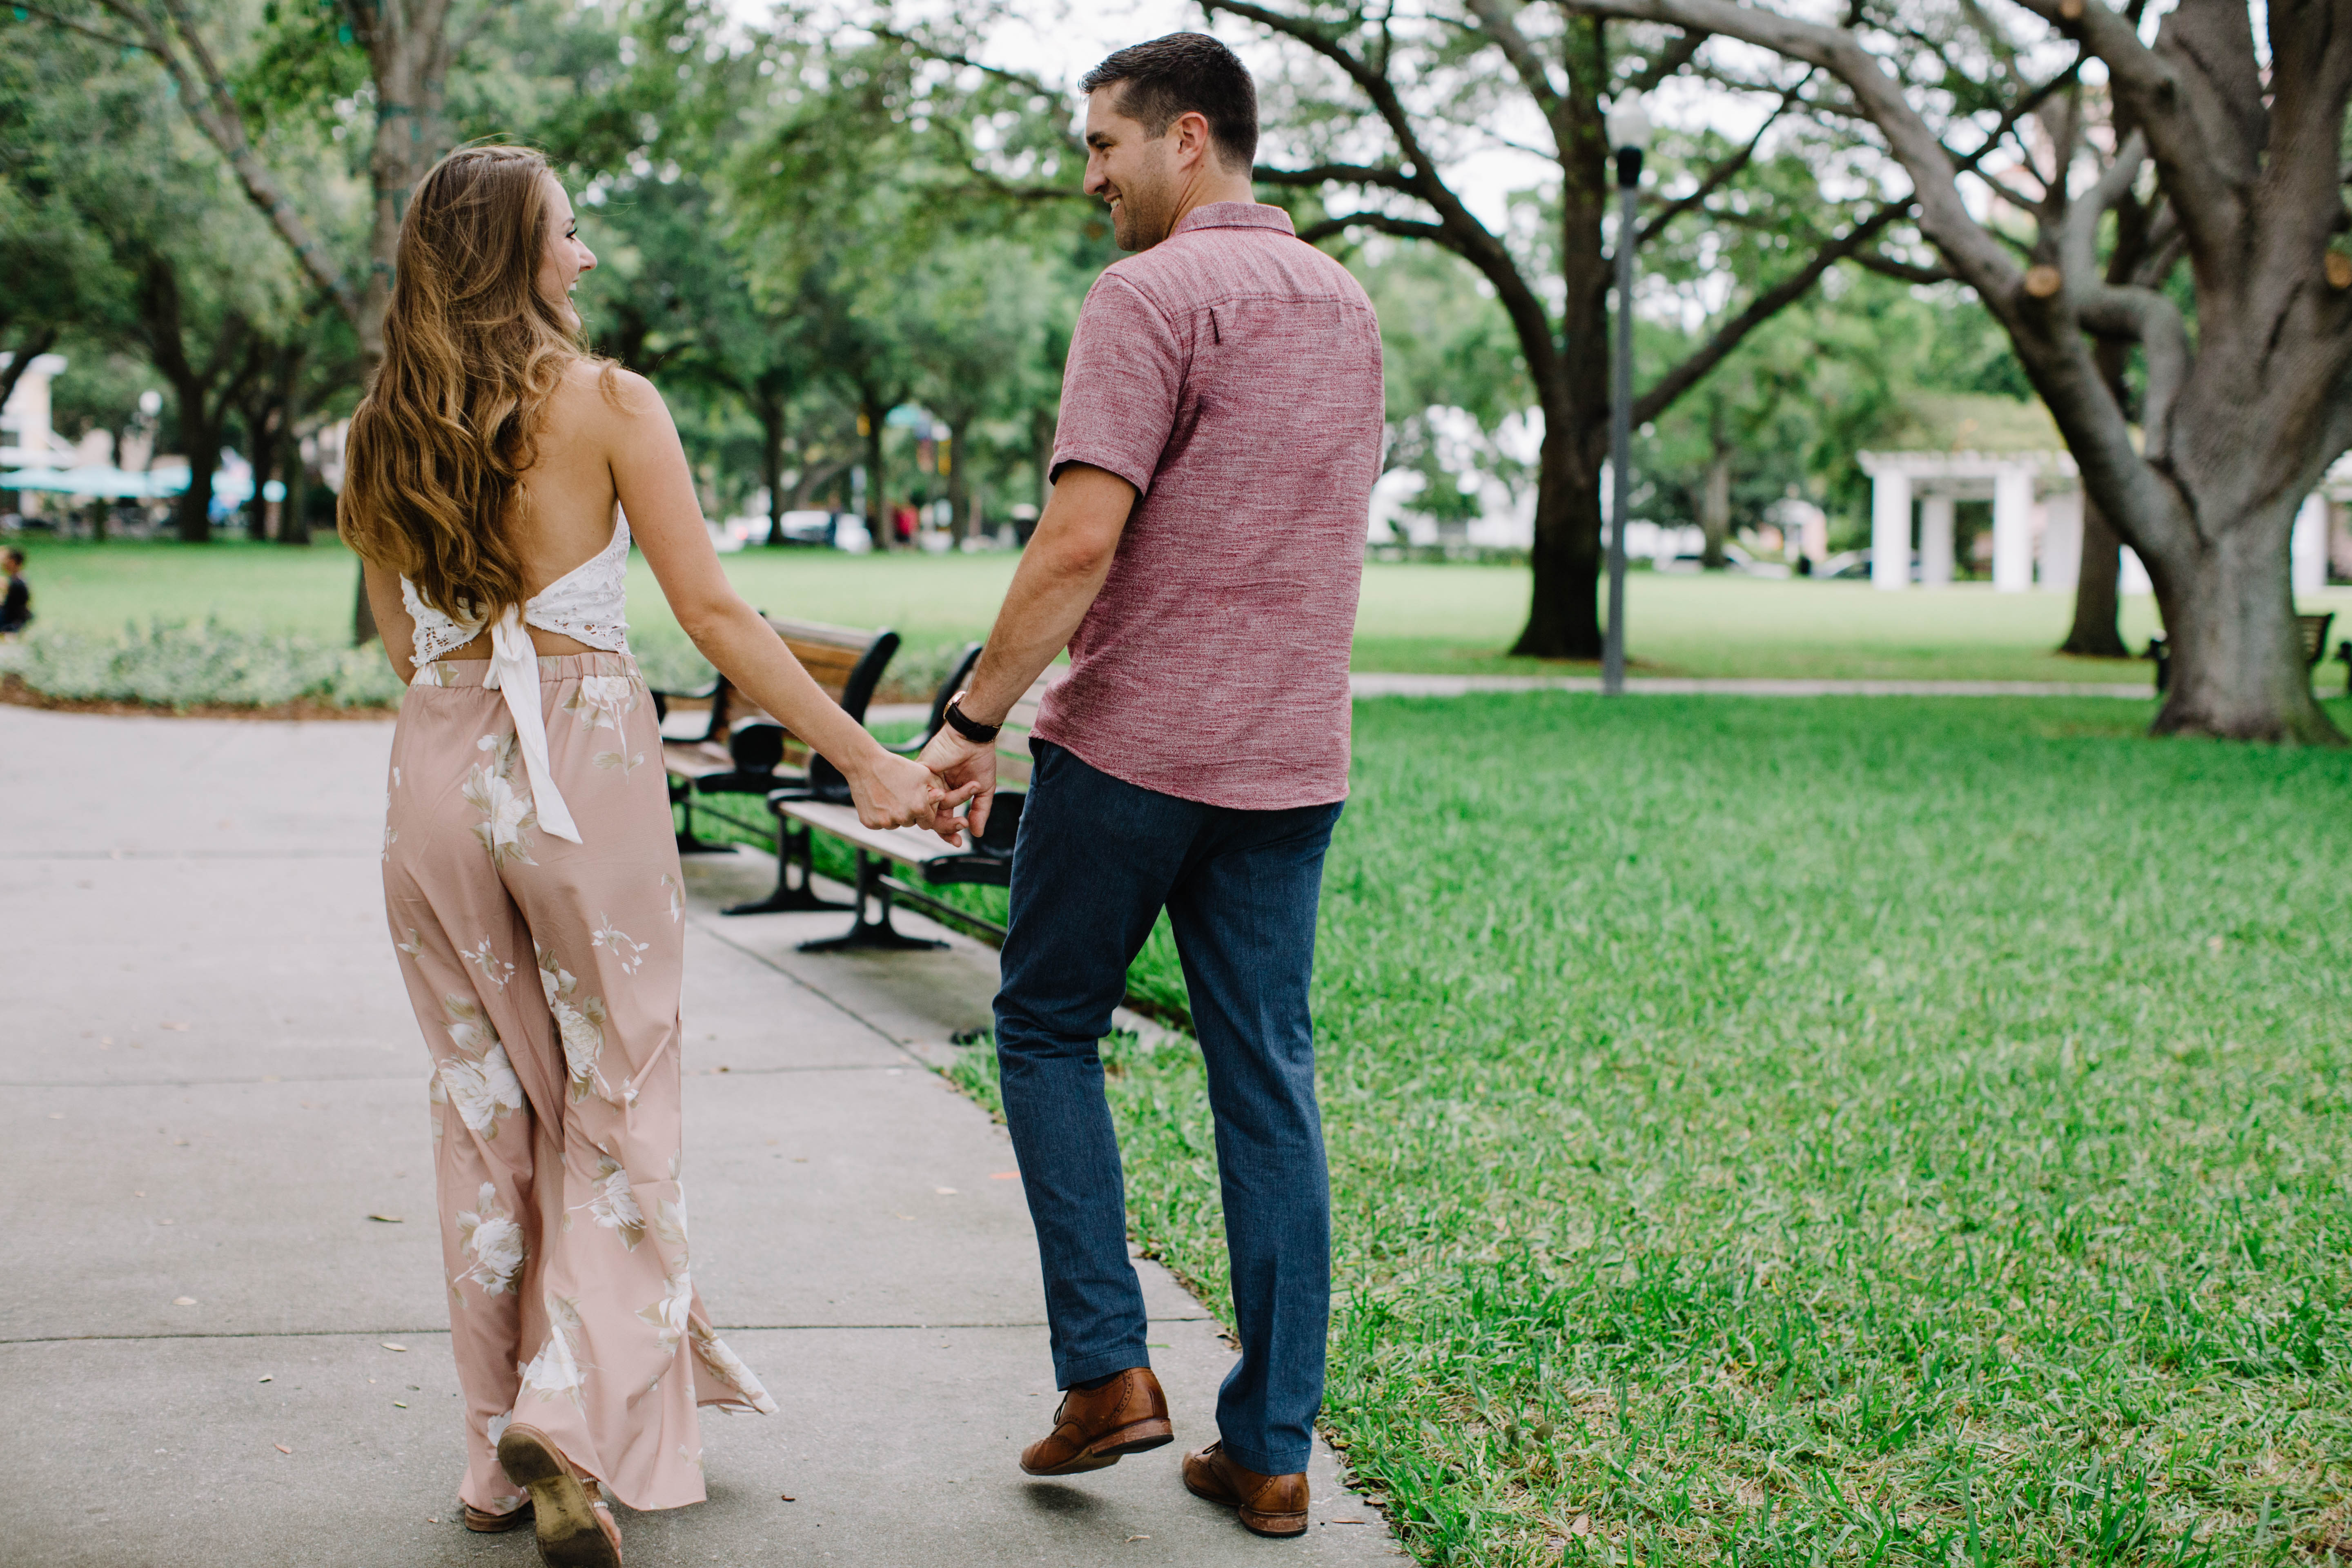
x,y
17,599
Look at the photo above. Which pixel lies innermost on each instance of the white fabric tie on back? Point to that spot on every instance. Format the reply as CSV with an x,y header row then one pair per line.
x,y
586,605
514,675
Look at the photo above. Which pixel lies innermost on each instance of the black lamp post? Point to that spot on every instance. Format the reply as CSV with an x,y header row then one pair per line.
x,y
1629,133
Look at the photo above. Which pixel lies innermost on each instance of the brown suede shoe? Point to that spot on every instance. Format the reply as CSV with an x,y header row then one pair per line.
x,y
1269,1505
575,1524
1094,1431
482,1521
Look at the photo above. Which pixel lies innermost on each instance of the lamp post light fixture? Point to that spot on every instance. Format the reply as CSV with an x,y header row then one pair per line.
x,y
1628,127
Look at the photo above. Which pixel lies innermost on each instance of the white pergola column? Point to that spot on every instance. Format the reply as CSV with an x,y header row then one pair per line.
x,y
1934,542
2061,541
2012,531
1890,530
2308,555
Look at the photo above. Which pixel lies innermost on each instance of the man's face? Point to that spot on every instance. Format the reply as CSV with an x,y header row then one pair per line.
x,y
1132,169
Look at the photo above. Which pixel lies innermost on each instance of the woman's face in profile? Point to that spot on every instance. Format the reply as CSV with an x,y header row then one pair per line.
x,y
565,258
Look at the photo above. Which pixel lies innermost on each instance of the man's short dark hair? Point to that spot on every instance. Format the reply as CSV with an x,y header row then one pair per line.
x,y
1186,73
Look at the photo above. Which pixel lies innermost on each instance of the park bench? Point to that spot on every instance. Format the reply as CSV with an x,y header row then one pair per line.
x,y
894,864
742,754
2314,629
795,852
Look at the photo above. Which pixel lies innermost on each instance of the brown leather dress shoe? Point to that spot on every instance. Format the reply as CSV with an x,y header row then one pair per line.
x,y
1095,1428
482,1521
1269,1505
575,1523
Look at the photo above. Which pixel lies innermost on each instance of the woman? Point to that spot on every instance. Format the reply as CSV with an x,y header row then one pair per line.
x,y
527,838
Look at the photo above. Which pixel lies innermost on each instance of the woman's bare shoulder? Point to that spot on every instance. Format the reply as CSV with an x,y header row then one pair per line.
x,y
604,402
598,391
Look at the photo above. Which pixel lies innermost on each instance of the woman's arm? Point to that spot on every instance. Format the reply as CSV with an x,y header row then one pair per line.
x,y
656,491
391,619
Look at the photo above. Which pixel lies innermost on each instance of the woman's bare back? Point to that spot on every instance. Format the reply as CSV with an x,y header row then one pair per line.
x,y
568,497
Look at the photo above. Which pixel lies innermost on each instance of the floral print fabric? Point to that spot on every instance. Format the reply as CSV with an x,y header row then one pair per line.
x,y
555,1106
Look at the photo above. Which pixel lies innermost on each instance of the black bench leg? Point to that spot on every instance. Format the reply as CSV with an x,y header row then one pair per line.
x,y
872,929
794,847
688,844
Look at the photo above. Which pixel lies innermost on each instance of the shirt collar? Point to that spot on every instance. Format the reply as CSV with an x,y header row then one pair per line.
x,y
1233,215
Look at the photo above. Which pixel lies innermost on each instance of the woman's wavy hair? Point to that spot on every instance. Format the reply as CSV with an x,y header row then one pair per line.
x,y
472,352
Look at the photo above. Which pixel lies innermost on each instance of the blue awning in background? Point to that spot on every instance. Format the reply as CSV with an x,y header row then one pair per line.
x,y
113,483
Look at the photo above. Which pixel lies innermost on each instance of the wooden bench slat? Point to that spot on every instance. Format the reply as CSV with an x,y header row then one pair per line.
x,y
695,758
909,847
854,638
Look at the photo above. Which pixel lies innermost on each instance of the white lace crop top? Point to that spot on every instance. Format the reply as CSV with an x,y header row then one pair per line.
x,y
586,604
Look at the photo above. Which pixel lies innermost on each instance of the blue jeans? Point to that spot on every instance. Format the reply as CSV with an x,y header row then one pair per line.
x,y
1096,861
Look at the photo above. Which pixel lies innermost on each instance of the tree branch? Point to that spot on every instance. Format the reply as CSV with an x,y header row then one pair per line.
x,y
957,58
1886,265
1384,222
1721,174
1762,308
2144,315
214,110
1524,60
1672,59
1336,173
57,19
1463,233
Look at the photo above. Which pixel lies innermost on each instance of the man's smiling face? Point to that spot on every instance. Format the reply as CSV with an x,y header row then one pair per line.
x,y
1132,169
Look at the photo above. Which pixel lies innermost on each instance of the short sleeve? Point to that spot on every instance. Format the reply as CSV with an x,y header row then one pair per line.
x,y
1119,385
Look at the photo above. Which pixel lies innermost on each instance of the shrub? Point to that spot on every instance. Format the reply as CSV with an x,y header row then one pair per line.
x,y
180,664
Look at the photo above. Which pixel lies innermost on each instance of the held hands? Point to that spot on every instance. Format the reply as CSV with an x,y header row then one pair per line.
x,y
900,791
968,769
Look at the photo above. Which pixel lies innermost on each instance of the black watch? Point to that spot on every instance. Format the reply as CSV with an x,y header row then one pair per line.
x,y
972,730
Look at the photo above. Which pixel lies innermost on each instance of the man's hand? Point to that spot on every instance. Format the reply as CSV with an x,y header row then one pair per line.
x,y
900,792
966,768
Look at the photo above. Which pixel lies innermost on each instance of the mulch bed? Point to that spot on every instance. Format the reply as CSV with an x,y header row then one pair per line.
x,y
17,694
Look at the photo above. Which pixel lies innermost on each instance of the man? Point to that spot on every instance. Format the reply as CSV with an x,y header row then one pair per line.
x,y
1219,433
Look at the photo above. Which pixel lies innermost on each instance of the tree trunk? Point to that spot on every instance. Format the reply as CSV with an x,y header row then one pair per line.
x,y
877,506
2094,634
958,483
201,440
1563,610
1715,505
770,413
1563,614
294,514
2236,656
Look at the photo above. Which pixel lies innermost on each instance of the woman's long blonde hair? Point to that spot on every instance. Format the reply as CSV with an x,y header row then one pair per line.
x,y
472,352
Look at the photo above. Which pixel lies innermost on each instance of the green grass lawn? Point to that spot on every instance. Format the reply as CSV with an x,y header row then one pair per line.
x,y
1418,617
1858,1131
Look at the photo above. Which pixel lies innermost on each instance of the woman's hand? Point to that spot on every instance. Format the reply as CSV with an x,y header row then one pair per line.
x,y
892,791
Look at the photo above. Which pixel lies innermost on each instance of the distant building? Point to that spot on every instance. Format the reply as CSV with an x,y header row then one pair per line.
x,y
26,437
1967,446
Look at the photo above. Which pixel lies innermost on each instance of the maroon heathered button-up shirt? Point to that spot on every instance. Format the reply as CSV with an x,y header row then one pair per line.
x,y
1230,373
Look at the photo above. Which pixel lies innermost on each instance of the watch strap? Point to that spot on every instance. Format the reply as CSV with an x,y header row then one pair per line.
x,y
970,729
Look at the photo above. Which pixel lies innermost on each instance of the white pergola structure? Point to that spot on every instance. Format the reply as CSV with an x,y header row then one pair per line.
x,y
2037,520
2033,493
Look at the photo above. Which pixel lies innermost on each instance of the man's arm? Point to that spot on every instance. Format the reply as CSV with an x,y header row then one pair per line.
x,y
1060,573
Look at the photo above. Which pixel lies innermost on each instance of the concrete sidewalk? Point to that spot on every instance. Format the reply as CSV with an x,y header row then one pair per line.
x,y
223,1337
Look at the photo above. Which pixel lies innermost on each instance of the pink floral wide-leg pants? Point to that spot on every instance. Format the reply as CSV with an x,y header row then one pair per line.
x,y
545,975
